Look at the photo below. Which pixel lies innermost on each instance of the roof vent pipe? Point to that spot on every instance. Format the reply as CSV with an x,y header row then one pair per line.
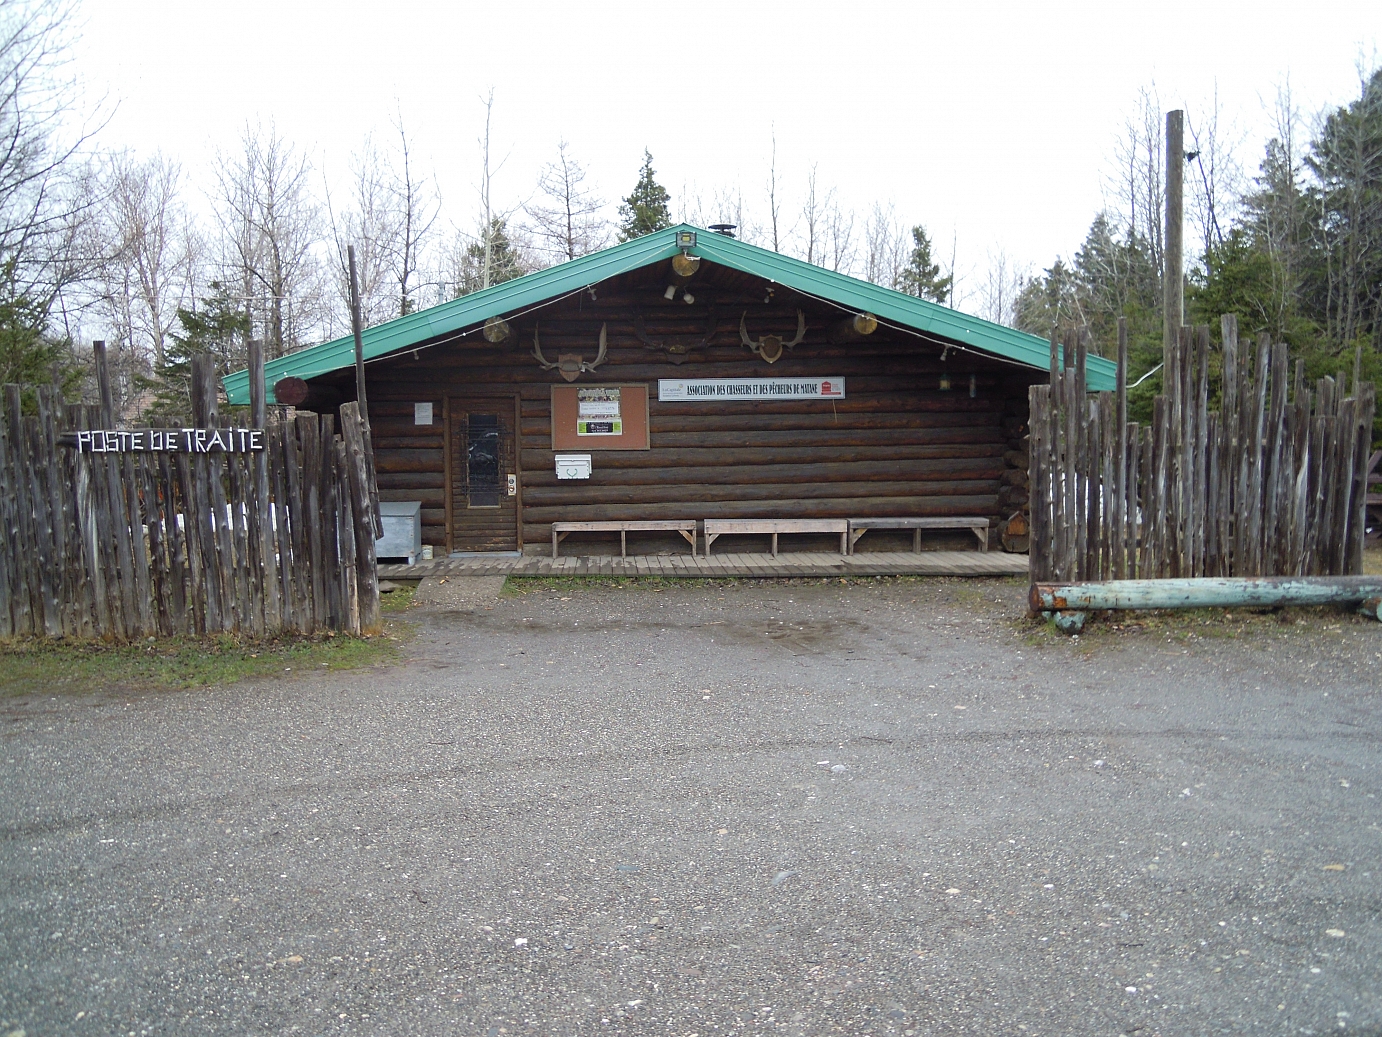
x,y
727,229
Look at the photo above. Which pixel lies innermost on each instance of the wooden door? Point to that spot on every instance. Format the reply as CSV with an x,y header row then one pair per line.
x,y
484,478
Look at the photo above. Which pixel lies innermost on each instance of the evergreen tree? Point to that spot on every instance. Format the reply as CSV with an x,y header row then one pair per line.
x,y
646,209
219,326
1050,304
922,276
29,355
506,261
1346,159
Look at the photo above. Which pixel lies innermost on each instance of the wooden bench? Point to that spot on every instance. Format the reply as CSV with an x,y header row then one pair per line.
x,y
686,528
718,527
978,526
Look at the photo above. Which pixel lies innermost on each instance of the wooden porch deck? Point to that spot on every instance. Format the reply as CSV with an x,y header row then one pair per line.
x,y
799,563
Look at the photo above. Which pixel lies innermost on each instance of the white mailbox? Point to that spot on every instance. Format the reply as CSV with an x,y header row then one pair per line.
x,y
573,466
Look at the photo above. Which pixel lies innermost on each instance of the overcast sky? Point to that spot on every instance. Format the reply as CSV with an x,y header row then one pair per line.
x,y
994,122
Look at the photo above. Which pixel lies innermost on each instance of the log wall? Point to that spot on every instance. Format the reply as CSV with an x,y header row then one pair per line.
x,y
897,445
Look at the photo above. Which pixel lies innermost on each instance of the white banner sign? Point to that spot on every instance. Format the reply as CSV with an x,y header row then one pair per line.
x,y
687,389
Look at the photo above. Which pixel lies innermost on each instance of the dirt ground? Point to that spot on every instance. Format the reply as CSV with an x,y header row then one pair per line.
x,y
874,807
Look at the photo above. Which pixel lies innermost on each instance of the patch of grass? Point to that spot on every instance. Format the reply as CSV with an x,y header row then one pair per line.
x,y
37,666
1372,562
1190,625
398,600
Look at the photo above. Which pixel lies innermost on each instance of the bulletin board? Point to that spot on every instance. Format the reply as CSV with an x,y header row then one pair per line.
x,y
599,417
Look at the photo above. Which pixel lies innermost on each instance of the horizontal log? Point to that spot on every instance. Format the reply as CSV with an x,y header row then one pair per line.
x,y
840,471
567,495
543,461
408,460
432,497
402,482
460,372
1208,592
902,402
711,429
841,507
393,442
294,392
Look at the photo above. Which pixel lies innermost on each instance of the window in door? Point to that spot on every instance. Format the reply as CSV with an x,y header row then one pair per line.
x,y
482,460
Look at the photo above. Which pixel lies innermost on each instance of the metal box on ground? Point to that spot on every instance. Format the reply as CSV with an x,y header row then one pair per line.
x,y
402,537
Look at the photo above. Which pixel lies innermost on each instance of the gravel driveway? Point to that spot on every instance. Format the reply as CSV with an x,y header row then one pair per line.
x,y
872,808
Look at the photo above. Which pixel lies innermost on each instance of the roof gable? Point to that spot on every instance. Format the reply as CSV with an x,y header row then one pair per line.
x,y
471,311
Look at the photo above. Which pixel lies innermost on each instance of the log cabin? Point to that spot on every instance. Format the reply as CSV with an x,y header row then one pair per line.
x,y
683,375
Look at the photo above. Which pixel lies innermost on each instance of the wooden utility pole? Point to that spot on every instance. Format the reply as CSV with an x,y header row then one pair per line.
x,y
1173,274
356,326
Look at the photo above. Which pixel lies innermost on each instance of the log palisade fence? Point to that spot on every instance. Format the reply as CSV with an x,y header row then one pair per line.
x,y
1273,483
120,545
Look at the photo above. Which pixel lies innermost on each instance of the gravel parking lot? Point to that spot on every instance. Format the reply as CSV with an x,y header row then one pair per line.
x,y
881,807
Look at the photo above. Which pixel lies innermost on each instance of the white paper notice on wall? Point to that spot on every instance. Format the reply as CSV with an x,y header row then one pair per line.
x,y
597,413
422,414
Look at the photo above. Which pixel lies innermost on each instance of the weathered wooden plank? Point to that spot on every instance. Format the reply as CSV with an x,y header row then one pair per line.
x,y
10,571
349,584
363,507
1039,551
1366,394
1132,505
321,520
48,615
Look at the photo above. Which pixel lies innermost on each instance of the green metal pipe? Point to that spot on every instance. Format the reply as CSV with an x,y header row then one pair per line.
x,y
1209,592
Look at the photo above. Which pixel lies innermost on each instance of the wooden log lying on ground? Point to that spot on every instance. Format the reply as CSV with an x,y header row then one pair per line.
x,y
1207,592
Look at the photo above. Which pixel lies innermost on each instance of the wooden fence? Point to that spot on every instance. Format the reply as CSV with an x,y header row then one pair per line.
x,y
123,545
1272,483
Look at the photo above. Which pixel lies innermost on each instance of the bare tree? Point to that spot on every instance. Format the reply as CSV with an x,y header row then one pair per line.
x,y
415,202
490,220
838,253
812,218
1137,188
153,250
371,223
774,203
568,220
1002,287
270,228
885,244
48,195
1215,176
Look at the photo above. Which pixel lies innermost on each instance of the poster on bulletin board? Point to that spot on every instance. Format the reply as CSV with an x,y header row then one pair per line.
x,y
597,413
599,417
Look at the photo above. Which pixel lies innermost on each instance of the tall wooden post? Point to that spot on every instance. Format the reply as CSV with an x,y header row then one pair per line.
x,y
356,327
98,355
268,557
1173,286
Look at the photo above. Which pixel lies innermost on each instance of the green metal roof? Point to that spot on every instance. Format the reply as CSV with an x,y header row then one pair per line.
x,y
471,311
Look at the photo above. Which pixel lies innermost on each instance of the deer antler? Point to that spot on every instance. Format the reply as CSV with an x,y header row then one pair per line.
x,y
545,364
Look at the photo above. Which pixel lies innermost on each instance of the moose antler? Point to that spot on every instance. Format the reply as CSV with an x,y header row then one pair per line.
x,y
569,365
676,351
770,347
543,362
